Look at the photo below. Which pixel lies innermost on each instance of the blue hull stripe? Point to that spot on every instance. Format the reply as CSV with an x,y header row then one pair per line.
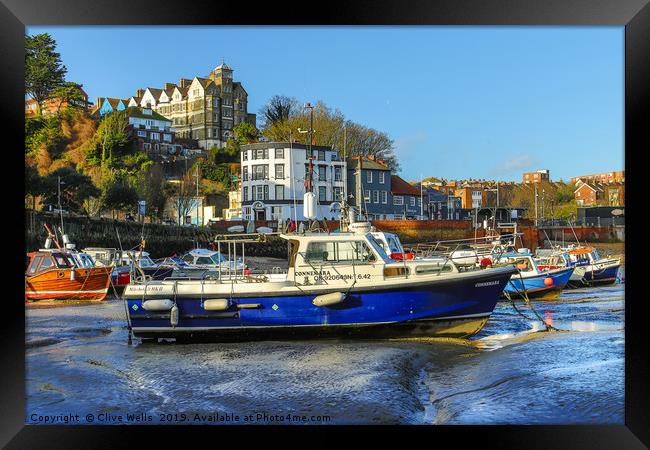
x,y
449,300
536,283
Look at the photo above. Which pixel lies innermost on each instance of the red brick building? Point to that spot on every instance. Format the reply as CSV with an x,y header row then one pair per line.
x,y
536,177
605,177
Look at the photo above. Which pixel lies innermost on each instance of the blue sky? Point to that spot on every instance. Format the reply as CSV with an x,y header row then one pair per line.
x,y
460,102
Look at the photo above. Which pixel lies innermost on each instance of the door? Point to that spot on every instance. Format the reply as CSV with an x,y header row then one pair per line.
x,y
260,214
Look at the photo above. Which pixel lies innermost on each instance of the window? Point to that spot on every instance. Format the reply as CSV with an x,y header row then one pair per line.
x,y
276,212
245,155
375,196
333,252
261,192
322,193
338,193
46,264
369,176
245,194
245,173
337,174
398,200
35,264
279,192
261,172
259,153
279,153
384,197
366,196
382,177
322,173
155,136
142,134
279,171
412,201
321,155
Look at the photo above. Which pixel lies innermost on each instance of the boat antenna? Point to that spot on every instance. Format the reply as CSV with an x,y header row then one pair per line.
x,y
59,182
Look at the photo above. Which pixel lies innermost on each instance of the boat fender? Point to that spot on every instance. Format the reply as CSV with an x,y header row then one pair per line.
x,y
332,298
73,275
249,305
216,304
548,281
164,304
173,316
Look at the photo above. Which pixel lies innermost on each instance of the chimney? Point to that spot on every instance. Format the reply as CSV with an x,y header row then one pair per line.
x,y
169,86
185,82
139,93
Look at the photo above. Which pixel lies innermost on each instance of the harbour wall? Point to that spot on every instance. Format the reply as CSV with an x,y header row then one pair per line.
x,y
166,240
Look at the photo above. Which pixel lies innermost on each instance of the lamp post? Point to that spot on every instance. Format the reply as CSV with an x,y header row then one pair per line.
x,y
59,183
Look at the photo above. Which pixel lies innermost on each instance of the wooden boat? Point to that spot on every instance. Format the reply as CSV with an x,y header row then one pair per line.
x,y
53,274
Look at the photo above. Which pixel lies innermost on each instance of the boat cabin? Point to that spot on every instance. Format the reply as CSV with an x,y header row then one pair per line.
x,y
202,257
522,261
45,260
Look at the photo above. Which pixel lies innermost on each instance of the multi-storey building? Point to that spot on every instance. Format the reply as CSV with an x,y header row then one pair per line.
x,y
407,199
203,108
605,177
536,177
152,132
369,187
273,180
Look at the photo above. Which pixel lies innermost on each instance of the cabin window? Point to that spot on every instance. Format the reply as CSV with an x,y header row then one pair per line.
x,y
337,252
35,264
396,271
188,259
432,268
46,263
204,260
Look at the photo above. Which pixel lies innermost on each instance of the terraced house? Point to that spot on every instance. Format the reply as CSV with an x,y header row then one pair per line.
x,y
203,108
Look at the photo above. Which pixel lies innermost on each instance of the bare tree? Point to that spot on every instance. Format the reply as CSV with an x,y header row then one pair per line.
x,y
278,109
184,199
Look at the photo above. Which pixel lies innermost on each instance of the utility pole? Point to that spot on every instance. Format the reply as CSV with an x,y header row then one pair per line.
x,y
197,195
535,203
60,210
421,197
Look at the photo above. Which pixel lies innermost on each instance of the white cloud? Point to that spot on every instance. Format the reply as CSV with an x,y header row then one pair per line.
x,y
406,144
520,162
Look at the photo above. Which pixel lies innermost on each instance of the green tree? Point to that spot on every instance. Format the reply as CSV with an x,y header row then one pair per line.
x,y
44,70
33,184
119,195
75,188
69,93
245,133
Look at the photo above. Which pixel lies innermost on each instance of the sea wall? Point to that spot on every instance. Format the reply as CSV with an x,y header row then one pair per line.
x,y
166,240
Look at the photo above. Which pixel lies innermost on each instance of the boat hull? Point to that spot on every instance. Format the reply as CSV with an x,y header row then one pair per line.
x,y
89,284
535,288
454,308
592,276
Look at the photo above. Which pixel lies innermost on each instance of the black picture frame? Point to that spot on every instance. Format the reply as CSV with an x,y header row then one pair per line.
x,y
633,14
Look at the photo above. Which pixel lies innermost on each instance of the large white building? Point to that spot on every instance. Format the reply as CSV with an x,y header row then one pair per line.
x,y
273,180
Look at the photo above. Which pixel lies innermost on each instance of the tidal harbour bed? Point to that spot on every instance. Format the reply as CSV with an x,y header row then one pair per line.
x,y
512,372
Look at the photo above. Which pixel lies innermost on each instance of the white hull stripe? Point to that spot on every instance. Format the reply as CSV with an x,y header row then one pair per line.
x,y
97,291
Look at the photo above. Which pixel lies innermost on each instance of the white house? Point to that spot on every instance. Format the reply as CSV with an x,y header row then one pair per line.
x,y
273,180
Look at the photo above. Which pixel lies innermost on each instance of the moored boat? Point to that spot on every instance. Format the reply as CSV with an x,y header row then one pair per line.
x,y
532,281
53,275
337,283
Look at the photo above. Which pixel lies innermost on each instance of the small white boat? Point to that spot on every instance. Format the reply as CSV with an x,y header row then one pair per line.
x,y
236,229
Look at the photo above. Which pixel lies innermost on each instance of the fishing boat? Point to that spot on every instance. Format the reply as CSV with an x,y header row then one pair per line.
x,y
336,283
63,274
590,268
533,281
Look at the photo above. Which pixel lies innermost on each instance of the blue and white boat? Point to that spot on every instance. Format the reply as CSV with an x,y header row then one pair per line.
x,y
533,281
339,283
590,268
